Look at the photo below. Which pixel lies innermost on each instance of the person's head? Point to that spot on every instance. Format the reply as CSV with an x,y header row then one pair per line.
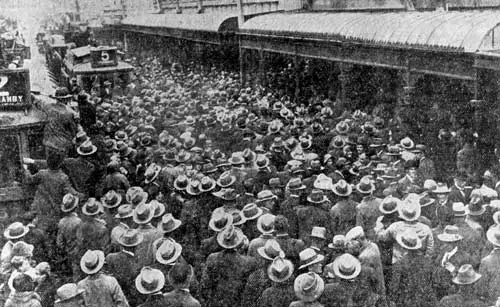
x,y
23,283
180,276
460,180
411,172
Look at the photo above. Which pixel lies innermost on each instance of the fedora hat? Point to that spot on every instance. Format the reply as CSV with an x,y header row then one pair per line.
x,y
181,182
92,261
168,252
131,192
295,184
389,205
342,188
109,145
207,184
318,232
308,257
251,211
124,211
475,209
317,197
226,180
238,218
409,211
280,270
346,266
265,223
227,194
271,250
323,182
194,188
338,241
493,235
92,207
230,238
80,138
111,199
152,173
220,220
265,195
262,161
149,280
86,148
69,202
138,198
182,156
143,214
308,287
426,200
409,240
365,185
466,275
459,209
67,291
237,159
450,234
130,238
208,168
158,208
169,223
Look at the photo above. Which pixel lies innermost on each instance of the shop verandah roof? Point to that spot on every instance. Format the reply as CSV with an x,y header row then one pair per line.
x,y
462,31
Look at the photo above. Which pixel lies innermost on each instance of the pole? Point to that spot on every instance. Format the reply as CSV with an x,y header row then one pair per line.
x,y
241,16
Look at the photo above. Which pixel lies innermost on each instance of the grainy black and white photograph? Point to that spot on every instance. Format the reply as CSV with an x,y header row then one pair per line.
x,y
249,153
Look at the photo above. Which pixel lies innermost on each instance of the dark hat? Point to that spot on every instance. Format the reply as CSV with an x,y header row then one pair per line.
x,y
317,197
62,93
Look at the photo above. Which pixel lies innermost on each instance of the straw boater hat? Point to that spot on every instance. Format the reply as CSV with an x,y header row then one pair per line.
x,y
407,143
231,237
168,252
143,214
308,287
346,266
459,209
130,238
342,188
111,199
409,240
92,207
69,202
466,275
124,211
308,257
149,281
450,234
169,223
280,270
271,250
92,262
220,220
265,223
67,292
318,232
86,148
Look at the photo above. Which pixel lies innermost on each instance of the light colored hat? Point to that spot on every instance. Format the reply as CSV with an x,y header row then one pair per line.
x,y
67,292
130,238
169,223
409,240
441,189
493,235
450,234
389,205
15,231
251,211
346,266
92,261
466,275
149,280
308,257
342,188
323,182
365,185
220,220
69,202
338,241
318,232
265,223
280,270
459,209
124,211
231,237
111,199
92,207
143,214
168,252
271,250
409,211
308,287
355,233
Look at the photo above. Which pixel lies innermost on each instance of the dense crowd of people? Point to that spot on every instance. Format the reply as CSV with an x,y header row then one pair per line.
x,y
184,188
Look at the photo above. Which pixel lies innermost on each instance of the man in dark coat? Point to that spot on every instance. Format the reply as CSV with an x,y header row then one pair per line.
x,y
180,277
281,293
343,213
467,295
123,265
292,247
312,214
226,272
87,112
92,233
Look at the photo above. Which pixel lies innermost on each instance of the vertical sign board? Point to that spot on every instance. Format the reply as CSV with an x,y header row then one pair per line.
x,y
103,57
15,89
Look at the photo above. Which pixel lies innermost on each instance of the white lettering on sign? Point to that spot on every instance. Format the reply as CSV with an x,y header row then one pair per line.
x,y
105,56
11,99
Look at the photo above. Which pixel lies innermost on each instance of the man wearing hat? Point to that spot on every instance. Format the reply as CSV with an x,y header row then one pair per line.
x,y
265,225
114,180
490,268
87,112
459,192
15,232
251,213
67,229
308,288
312,214
281,292
92,233
343,213
225,273
368,209
473,238
69,295
258,281
180,277
123,222
142,216
218,221
291,246
294,193
467,294
100,289
111,201
123,265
